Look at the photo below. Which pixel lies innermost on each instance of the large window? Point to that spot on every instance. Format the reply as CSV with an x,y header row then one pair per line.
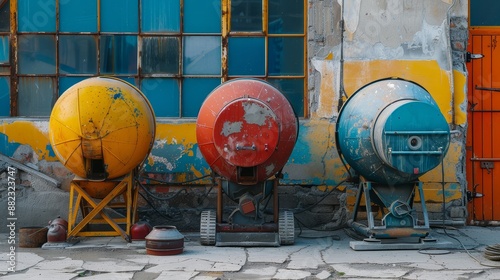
x,y
175,51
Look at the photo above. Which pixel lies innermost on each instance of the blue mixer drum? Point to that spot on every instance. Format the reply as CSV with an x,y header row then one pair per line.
x,y
392,131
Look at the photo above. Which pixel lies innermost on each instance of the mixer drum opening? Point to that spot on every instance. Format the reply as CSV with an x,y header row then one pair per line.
x,y
97,170
247,174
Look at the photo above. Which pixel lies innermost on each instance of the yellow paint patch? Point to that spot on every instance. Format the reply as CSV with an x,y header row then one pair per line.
x,y
178,133
321,143
450,161
27,133
196,172
325,188
460,84
327,95
426,73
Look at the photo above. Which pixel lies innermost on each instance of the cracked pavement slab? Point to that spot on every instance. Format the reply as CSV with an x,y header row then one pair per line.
x,y
326,257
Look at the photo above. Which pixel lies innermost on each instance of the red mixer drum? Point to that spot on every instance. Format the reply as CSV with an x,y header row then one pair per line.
x,y
246,130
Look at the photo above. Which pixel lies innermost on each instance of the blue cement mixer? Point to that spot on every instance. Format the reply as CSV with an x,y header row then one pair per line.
x,y
391,132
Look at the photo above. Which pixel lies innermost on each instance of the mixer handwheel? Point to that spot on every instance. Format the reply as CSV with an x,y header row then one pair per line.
x,y
286,228
207,228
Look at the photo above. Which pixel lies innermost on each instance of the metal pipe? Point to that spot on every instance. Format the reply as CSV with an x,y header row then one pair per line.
x,y
415,132
484,159
342,92
446,222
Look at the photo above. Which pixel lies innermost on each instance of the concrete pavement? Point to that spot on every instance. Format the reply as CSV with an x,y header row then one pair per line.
x,y
315,255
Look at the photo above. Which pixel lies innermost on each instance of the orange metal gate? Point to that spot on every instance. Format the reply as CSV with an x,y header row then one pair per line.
x,y
483,140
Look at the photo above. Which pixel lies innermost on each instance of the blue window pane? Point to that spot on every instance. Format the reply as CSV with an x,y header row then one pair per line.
x,y
194,92
119,16
484,13
163,94
4,49
293,89
160,55
36,96
202,16
36,15
202,55
78,16
37,54
246,15
5,16
77,54
129,80
246,56
4,96
118,54
160,16
286,56
66,82
286,17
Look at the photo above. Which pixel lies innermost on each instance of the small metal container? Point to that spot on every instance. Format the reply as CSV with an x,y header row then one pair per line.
x,y
164,241
140,230
32,237
58,229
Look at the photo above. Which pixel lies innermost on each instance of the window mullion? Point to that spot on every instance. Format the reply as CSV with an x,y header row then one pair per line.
x,y
225,21
13,59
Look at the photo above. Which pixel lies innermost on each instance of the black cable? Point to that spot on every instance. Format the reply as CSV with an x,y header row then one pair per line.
x,y
301,224
157,197
175,183
156,210
449,235
322,198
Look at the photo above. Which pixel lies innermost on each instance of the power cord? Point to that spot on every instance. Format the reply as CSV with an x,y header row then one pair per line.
x,y
301,224
491,252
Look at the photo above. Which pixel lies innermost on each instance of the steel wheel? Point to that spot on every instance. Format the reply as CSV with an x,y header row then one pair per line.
x,y
207,228
286,228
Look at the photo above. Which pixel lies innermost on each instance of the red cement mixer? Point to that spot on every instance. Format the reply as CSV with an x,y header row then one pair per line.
x,y
246,131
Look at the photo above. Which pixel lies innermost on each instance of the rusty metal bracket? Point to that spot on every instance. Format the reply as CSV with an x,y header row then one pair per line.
x,y
488,165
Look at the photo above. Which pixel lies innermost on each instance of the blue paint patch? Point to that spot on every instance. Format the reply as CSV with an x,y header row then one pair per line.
x,y
7,148
137,112
50,150
175,159
450,190
118,95
301,153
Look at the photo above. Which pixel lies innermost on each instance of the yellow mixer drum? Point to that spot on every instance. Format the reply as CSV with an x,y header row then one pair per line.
x,y
102,128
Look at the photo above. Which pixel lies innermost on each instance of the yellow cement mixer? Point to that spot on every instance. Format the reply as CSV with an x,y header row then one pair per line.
x,y
102,129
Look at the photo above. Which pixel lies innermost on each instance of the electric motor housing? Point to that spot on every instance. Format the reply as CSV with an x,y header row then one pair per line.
x,y
392,131
246,130
102,128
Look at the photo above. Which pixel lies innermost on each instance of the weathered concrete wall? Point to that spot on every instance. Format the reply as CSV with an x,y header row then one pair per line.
x,y
409,39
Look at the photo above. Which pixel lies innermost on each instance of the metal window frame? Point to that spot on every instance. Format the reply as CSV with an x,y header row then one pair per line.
x,y
139,76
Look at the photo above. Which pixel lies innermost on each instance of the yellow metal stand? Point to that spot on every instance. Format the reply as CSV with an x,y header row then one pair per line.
x,y
93,212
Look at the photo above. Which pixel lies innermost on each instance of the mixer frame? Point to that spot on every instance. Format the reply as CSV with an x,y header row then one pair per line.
x,y
214,230
93,211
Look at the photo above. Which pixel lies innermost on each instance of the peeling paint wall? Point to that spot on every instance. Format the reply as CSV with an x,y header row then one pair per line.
x,y
409,39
